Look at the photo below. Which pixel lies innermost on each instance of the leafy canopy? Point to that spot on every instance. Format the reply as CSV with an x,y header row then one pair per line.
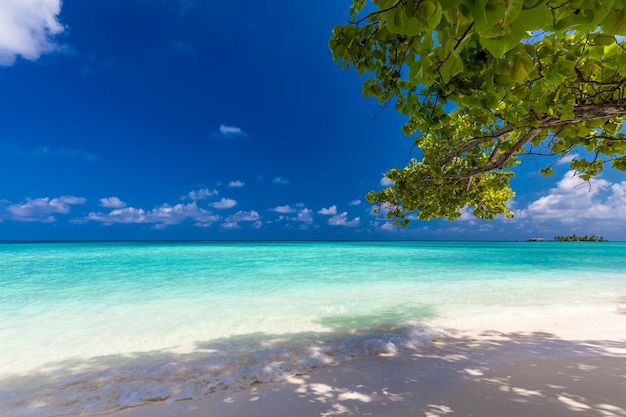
x,y
485,84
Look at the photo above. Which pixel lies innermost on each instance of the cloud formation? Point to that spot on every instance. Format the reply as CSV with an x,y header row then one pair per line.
x,y
224,203
230,132
161,217
201,194
280,180
574,200
43,209
305,216
576,206
112,202
284,209
567,159
332,210
27,28
342,220
232,222
386,182
236,184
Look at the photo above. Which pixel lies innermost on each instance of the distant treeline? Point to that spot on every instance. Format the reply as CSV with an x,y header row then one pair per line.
x,y
576,238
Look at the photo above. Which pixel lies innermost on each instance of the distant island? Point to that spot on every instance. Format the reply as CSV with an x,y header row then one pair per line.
x,y
576,238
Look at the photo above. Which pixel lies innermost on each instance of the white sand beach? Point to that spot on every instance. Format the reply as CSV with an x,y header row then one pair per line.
x,y
538,366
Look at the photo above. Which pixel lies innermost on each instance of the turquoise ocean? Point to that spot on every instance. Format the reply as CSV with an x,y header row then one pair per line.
x,y
91,328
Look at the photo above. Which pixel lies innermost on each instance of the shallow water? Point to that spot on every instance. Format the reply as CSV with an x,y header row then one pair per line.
x,y
95,327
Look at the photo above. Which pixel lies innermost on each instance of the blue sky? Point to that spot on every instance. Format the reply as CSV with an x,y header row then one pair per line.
x,y
209,119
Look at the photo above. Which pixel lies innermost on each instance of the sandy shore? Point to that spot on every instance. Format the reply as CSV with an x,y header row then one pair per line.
x,y
576,369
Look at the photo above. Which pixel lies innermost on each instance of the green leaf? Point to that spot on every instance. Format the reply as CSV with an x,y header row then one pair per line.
x,y
620,61
513,10
554,78
547,171
430,13
411,26
459,16
496,47
615,23
536,18
500,45
452,67
521,67
619,163
529,4
393,21
566,68
384,4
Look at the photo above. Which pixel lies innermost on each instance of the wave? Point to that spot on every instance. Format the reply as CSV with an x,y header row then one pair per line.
x,y
106,385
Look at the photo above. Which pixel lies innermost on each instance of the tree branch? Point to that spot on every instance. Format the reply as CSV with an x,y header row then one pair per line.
x,y
581,114
499,163
358,22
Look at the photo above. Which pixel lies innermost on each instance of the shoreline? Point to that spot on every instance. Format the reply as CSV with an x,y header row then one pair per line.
x,y
572,369
140,329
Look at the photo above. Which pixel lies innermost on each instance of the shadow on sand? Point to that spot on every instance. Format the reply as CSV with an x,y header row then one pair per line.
x,y
495,375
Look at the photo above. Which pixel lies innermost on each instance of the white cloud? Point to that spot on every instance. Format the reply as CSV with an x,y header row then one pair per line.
x,y
305,216
167,214
280,180
383,210
236,184
597,204
284,209
121,215
231,132
244,216
388,226
162,216
567,159
230,225
43,209
355,202
224,203
332,210
342,220
232,222
27,28
112,202
201,194
386,182
467,214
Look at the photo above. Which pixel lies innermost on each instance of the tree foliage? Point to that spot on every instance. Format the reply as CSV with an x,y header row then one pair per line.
x,y
485,84
576,238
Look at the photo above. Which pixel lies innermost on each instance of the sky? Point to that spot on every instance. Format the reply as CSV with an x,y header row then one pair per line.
x,y
221,120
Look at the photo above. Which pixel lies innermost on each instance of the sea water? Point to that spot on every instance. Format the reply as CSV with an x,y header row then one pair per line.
x,y
91,328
